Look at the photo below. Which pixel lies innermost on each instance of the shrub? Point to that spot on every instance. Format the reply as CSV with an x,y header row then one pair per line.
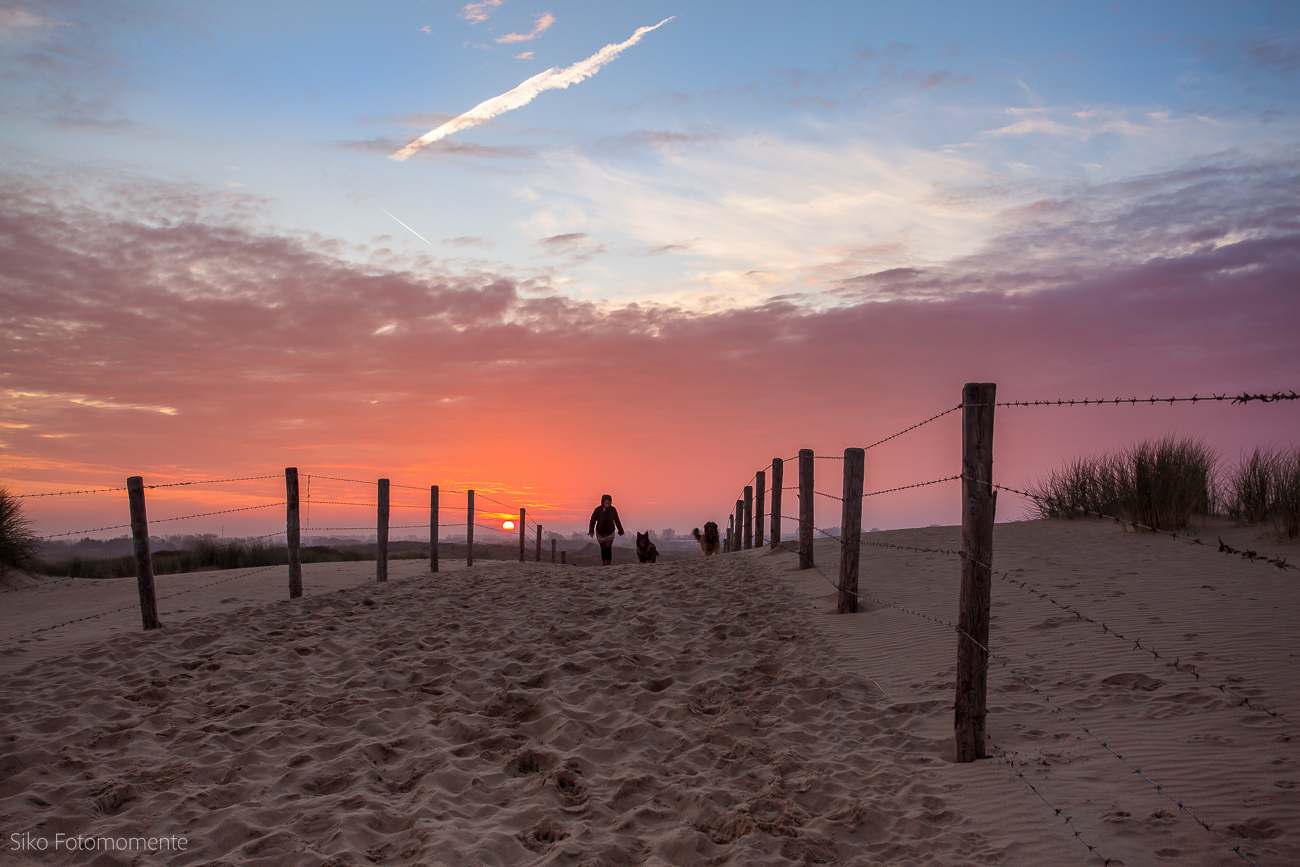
x,y
1163,484
19,544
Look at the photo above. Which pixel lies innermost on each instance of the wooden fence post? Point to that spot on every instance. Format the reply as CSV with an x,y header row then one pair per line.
x,y
978,505
749,517
778,479
738,535
731,528
143,557
381,534
806,510
523,536
553,541
760,492
851,529
563,561
293,532
538,555
469,529
433,528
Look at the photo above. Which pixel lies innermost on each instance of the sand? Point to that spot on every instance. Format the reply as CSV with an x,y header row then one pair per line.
x,y
699,712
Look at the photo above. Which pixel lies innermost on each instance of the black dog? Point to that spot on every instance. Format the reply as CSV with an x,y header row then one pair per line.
x,y
645,549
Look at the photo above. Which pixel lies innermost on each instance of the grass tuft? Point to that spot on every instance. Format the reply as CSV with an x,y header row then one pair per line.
x,y
1165,484
1265,489
19,544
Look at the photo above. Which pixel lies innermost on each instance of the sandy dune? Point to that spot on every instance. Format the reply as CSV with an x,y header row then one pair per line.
x,y
701,712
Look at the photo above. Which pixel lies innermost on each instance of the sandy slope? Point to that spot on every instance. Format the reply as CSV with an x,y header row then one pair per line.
x,y
703,712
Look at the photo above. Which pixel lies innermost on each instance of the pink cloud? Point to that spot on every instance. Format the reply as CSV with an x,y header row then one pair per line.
x,y
273,353
540,26
476,12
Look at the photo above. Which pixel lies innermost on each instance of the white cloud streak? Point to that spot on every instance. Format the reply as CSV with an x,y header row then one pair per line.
x,y
404,226
552,79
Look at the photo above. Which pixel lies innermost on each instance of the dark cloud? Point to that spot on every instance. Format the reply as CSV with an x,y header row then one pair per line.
x,y
441,150
1279,54
564,242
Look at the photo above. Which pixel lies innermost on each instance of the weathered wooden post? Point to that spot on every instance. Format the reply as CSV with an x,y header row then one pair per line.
x,y
469,529
143,557
978,503
731,528
562,558
381,534
749,517
738,535
433,528
523,536
760,491
806,510
293,531
537,558
553,541
778,479
851,529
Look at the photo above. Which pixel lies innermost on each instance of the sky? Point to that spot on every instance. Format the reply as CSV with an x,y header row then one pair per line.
x,y
641,262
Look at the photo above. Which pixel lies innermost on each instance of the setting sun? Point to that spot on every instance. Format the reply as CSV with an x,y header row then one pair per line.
x,y
507,525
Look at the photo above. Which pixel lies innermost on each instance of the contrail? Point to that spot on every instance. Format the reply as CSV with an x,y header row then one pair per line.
x,y
404,226
525,93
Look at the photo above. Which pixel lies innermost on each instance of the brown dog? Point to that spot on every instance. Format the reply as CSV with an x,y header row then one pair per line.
x,y
710,544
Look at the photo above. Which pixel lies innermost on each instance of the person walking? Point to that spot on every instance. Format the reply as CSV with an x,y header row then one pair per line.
x,y
604,520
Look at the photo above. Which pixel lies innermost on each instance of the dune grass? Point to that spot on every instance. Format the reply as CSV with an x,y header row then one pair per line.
x,y
1265,489
1164,484
19,544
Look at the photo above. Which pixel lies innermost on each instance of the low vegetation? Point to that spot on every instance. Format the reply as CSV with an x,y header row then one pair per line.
x,y
1265,489
1170,483
1164,484
19,544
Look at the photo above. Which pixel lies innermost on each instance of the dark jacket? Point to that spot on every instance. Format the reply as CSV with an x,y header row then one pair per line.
x,y
604,520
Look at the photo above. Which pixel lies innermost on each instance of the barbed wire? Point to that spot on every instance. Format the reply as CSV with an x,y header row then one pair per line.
x,y
164,520
147,487
81,532
913,427
338,503
1160,789
1243,398
1252,556
1005,757
67,493
917,485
